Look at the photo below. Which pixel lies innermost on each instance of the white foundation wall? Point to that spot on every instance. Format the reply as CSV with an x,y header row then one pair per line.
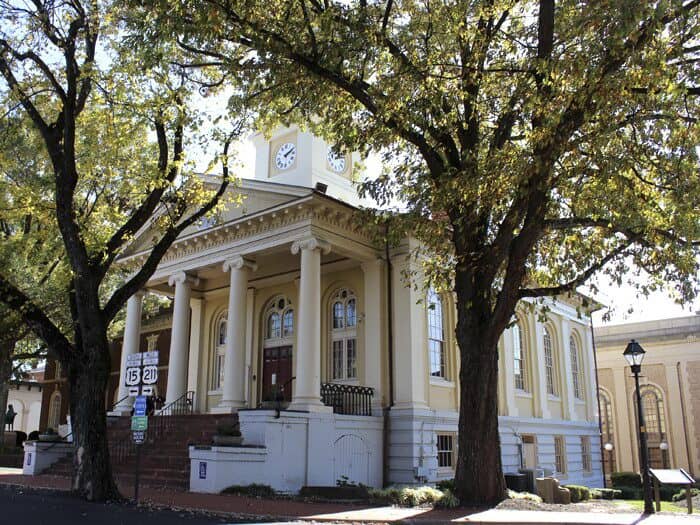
x,y
413,446
295,450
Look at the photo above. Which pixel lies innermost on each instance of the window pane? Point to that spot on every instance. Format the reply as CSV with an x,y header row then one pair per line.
x,y
351,351
575,369
559,455
338,315
351,313
273,326
549,363
338,359
288,327
519,359
445,450
222,332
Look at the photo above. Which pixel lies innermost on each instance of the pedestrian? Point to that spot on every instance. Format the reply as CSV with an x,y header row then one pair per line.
x,y
10,417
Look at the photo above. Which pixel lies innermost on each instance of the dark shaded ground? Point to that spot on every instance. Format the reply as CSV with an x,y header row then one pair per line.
x,y
44,507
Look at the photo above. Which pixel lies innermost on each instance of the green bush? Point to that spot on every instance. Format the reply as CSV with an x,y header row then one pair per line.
x,y
446,484
680,495
254,490
665,492
524,495
414,496
626,479
578,493
605,493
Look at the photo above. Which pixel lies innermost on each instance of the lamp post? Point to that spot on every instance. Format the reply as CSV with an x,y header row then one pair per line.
x,y
608,448
663,446
634,354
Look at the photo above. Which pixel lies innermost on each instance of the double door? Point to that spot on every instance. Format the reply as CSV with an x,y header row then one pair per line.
x,y
277,372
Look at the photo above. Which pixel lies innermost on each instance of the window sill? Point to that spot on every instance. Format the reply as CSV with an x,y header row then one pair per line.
x,y
355,382
551,397
523,393
439,381
215,392
580,402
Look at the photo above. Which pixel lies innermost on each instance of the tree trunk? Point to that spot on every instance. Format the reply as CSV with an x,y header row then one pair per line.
x,y
88,379
479,475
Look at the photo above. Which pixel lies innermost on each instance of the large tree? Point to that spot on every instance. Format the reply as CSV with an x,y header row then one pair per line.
x,y
112,126
533,143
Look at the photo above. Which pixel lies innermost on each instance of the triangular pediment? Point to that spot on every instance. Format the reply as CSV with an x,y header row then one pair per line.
x,y
247,197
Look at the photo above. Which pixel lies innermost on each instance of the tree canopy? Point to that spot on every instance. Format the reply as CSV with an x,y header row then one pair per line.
x,y
533,143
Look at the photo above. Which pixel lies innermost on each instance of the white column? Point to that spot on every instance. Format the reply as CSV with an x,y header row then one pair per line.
x,y
508,367
590,381
539,387
233,395
374,336
196,331
179,337
130,345
307,387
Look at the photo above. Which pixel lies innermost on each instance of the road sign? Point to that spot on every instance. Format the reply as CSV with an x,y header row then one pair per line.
x,y
140,406
134,391
150,358
139,436
139,422
133,376
149,375
133,360
147,390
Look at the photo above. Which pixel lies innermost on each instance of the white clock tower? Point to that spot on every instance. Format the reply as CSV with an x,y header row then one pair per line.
x,y
299,158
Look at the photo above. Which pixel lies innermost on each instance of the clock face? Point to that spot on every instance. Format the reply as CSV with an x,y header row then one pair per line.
x,y
336,161
285,156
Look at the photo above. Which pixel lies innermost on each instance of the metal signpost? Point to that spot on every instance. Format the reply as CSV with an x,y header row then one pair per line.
x,y
141,375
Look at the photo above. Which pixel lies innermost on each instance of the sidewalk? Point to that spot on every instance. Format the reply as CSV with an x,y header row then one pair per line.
x,y
263,510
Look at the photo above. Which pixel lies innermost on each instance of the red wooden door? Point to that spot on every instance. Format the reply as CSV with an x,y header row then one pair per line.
x,y
277,370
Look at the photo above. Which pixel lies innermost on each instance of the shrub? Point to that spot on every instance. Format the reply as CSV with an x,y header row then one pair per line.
x,y
447,501
446,484
524,496
254,490
630,492
626,479
680,495
578,493
605,493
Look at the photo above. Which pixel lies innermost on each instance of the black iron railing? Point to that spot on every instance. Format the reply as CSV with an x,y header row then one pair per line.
x,y
350,400
122,446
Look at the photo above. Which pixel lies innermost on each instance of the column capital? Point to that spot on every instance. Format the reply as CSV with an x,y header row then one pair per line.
x,y
238,263
139,294
311,243
374,264
182,277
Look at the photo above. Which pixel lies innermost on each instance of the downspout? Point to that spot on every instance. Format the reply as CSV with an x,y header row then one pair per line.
x,y
597,397
685,423
390,348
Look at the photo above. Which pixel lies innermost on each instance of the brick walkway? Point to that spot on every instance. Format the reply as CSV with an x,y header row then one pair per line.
x,y
240,507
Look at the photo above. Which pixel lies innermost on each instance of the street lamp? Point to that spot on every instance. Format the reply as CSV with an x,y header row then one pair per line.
x,y
663,446
634,354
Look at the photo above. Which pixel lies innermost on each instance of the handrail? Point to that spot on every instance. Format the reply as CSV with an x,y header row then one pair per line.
x,y
117,403
352,400
181,406
62,441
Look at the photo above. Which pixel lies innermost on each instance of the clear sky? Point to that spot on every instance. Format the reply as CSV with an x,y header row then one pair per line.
x,y
625,306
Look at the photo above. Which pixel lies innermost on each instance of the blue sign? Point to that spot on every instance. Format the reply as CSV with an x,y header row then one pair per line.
x,y
202,470
29,458
140,406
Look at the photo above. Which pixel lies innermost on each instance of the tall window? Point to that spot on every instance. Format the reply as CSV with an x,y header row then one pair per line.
x,y
608,430
586,461
217,376
576,371
436,335
55,411
549,363
519,359
344,335
559,454
653,406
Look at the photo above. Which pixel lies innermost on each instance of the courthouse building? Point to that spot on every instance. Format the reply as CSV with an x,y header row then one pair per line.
x,y
286,296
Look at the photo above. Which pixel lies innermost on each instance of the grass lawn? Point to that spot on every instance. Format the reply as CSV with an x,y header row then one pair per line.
x,y
666,506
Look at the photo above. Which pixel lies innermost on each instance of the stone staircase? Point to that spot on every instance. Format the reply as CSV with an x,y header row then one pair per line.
x,y
165,454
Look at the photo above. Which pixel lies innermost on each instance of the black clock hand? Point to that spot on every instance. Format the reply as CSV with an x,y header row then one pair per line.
x,y
287,154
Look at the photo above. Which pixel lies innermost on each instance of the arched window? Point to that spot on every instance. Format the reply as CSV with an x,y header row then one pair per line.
x,y
436,335
549,363
279,320
576,368
519,359
343,335
217,376
607,426
55,411
653,406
